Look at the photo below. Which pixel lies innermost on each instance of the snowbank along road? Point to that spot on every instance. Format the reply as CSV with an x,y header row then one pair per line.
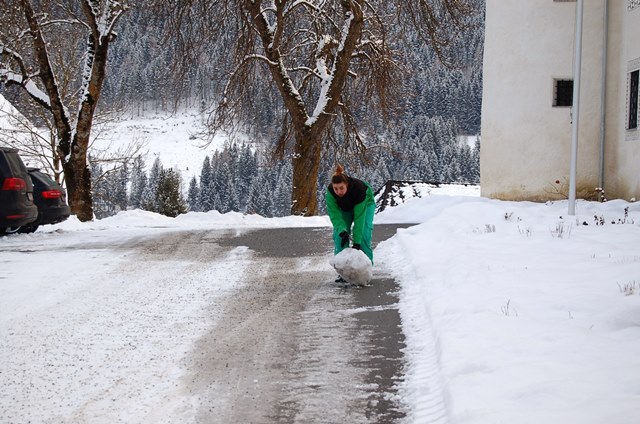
x,y
220,326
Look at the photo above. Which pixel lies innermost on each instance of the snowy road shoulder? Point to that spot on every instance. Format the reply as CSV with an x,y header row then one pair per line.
x,y
531,319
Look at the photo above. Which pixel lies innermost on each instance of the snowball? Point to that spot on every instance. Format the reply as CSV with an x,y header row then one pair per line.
x,y
354,266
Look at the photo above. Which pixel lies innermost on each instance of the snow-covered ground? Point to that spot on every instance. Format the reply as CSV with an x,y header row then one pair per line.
x,y
178,140
513,312
528,315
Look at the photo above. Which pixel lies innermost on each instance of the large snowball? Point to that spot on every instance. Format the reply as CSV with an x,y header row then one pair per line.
x,y
354,266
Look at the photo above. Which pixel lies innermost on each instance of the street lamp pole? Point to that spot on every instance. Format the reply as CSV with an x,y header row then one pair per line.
x,y
577,67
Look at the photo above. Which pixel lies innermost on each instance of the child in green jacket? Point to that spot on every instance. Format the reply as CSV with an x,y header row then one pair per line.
x,y
351,206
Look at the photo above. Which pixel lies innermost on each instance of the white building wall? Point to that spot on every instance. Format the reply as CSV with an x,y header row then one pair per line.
x,y
525,141
622,156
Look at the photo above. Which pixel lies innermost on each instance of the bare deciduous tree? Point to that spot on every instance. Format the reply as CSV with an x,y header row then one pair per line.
x,y
39,46
329,60
37,145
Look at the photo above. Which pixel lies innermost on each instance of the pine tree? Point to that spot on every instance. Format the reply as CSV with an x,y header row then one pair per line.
x,y
120,188
281,189
247,171
109,190
475,162
222,178
149,196
101,208
193,196
260,199
138,183
206,187
168,196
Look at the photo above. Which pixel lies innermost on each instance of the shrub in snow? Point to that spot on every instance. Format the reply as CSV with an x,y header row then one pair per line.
x,y
629,289
354,266
562,230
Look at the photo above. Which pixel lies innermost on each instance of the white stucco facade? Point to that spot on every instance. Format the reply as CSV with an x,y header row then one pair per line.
x,y
526,141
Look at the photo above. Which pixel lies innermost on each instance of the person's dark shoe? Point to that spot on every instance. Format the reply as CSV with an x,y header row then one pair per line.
x,y
340,279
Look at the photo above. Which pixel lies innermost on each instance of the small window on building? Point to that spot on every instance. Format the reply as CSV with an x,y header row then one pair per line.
x,y
562,92
633,100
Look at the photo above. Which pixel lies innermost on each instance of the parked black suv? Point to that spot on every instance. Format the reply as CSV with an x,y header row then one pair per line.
x,y
50,198
16,193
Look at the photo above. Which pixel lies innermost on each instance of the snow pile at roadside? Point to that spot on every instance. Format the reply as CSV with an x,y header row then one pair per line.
x,y
193,220
515,312
394,193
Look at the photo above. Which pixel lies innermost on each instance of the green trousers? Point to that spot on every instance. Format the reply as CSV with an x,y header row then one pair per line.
x,y
365,244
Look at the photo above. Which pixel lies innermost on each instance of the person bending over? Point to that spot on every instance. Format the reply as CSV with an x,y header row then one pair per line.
x,y
351,206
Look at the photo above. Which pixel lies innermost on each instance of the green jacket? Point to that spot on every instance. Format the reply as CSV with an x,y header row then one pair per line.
x,y
359,196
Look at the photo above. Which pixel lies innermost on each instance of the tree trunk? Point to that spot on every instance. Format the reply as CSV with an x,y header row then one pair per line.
x,y
306,162
76,167
78,179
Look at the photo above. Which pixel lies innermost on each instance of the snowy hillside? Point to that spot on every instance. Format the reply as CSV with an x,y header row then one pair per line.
x,y
178,140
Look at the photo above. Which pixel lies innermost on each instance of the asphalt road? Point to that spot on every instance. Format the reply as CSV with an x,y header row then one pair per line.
x,y
292,345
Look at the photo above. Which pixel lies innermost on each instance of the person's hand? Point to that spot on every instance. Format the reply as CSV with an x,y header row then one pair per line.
x,y
345,239
356,246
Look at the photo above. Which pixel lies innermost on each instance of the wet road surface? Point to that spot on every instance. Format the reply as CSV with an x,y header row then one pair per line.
x,y
292,345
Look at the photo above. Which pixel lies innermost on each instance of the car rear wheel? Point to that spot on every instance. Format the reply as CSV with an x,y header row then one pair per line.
x,y
9,230
25,229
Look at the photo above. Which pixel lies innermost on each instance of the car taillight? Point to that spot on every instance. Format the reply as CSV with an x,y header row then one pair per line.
x,y
17,184
52,194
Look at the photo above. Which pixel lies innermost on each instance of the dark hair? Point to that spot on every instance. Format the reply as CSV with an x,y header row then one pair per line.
x,y
339,176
